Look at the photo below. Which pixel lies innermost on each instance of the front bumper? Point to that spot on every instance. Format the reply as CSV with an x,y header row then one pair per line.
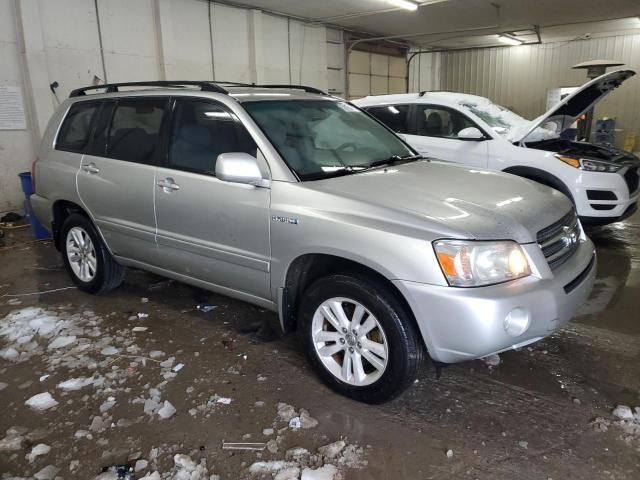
x,y
600,211
460,324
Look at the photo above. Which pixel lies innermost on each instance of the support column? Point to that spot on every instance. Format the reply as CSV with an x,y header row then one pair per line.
x,y
165,40
256,47
37,93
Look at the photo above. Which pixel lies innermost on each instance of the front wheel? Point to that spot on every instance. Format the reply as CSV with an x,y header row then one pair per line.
x,y
359,338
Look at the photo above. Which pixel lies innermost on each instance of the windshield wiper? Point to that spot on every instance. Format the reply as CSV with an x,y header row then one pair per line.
x,y
394,160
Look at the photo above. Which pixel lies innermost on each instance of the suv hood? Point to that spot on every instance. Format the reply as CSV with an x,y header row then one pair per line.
x,y
568,110
469,203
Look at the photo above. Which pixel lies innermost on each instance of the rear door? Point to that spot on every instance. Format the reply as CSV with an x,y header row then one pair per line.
x,y
433,131
116,178
210,230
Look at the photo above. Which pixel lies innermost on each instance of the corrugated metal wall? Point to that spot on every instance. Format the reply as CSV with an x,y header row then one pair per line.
x,y
519,77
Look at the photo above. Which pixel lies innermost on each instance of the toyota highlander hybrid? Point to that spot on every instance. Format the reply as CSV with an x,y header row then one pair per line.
x,y
301,203
601,181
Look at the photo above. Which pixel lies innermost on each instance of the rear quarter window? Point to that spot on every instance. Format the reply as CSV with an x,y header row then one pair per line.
x,y
76,128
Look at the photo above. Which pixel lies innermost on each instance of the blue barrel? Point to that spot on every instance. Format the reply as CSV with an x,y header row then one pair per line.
x,y
37,230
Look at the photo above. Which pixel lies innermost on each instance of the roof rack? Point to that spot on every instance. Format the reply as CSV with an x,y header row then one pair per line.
x,y
114,87
205,86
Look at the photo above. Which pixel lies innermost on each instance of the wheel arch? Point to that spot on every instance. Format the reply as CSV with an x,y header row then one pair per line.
x,y
308,267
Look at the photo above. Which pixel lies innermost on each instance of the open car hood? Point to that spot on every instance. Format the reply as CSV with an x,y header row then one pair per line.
x,y
568,110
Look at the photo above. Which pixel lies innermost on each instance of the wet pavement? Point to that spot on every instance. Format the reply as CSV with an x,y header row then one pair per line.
x,y
530,417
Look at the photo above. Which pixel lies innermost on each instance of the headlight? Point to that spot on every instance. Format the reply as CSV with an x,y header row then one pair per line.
x,y
588,164
473,264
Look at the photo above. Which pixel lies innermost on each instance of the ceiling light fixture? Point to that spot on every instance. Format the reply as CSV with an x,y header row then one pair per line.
x,y
406,4
510,40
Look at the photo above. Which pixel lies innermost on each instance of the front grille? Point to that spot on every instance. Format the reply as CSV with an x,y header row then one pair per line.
x,y
560,240
632,179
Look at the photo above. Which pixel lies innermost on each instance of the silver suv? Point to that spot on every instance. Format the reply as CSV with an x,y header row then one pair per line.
x,y
301,203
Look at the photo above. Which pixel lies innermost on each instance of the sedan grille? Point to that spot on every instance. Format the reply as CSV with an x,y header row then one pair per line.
x,y
560,240
632,179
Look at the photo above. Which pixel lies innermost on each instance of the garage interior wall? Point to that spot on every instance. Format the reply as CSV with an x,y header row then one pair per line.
x,y
75,42
376,74
520,77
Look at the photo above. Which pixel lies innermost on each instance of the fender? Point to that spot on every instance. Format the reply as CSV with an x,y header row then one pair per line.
x,y
543,177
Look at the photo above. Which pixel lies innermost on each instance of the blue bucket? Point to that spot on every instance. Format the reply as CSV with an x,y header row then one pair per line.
x,y
37,230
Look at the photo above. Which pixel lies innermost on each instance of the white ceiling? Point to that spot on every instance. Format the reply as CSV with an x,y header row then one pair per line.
x,y
465,23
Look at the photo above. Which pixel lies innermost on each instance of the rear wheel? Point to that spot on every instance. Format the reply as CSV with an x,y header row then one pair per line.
x,y
87,260
359,337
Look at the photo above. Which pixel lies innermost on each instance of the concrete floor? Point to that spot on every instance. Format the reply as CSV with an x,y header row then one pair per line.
x,y
531,417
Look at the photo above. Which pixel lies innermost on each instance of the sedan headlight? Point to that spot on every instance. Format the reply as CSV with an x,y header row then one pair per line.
x,y
473,264
588,164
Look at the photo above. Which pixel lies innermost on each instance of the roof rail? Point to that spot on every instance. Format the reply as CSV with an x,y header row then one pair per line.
x,y
114,87
294,87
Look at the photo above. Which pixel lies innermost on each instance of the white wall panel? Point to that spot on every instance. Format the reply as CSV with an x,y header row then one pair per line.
x,y
308,47
231,43
129,40
519,77
192,41
275,49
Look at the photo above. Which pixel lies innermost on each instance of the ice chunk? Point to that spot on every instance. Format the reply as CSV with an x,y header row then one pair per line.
x,y
326,472
41,401
286,412
140,465
332,450
492,360
12,442
3,385
167,410
306,420
109,351
9,353
38,450
62,341
47,473
151,476
259,468
290,473
449,453
623,412
75,383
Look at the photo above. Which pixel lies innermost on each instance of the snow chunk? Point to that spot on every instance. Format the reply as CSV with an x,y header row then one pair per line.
x,y
47,473
332,450
75,383
62,341
41,401
290,473
274,466
38,450
326,472
492,360
110,350
167,410
623,412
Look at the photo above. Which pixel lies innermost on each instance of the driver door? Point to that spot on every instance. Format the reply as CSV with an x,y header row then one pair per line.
x,y
434,133
207,229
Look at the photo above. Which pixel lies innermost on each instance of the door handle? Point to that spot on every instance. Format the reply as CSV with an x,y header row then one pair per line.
x,y
90,168
168,185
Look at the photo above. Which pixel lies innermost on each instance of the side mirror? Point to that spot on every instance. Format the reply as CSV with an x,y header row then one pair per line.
x,y
470,133
239,167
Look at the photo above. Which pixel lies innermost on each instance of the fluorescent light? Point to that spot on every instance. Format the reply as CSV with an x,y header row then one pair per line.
x,y
509,40
408,4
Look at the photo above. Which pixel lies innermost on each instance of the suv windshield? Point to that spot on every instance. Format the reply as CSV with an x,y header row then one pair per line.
x,y
321,138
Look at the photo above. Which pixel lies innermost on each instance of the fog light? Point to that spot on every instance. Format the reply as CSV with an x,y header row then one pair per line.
x,y
517,321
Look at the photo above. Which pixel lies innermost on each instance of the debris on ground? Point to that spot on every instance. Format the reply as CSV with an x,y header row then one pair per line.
x,y
629,422
492,360
206,308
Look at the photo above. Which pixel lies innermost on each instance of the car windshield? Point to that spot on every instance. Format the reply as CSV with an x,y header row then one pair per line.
x,y
505,122
325,138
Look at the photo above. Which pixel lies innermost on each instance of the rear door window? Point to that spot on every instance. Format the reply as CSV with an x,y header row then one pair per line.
x,y
201,131
134,134
76,127
396,117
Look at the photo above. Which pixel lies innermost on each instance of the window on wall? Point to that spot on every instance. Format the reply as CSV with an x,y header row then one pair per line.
x,y
134,135
434,121
75,130
396,117
203,130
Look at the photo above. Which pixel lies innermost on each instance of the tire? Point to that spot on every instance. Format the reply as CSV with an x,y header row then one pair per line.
x,y
95,271
394,336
